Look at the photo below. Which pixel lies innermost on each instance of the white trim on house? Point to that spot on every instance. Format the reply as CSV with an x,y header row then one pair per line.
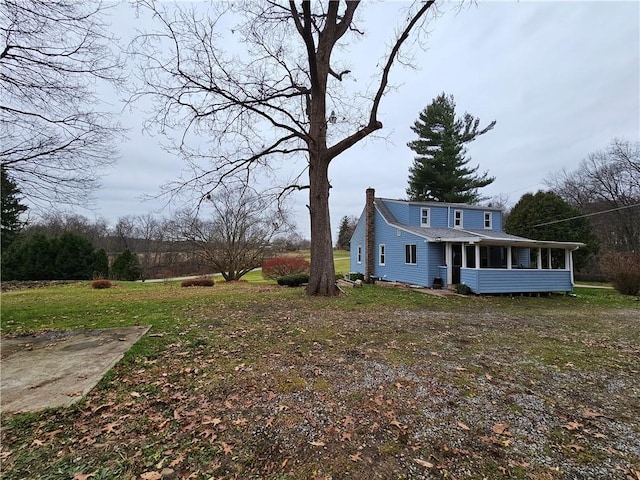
x,y
381,254
458,219
488,220
423,217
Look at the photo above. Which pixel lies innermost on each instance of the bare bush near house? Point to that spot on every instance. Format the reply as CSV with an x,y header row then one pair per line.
x,y
622,269
280,266
53,139
198,282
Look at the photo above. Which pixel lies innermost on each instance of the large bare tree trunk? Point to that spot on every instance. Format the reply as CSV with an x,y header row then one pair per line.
x,y
236,99
322,280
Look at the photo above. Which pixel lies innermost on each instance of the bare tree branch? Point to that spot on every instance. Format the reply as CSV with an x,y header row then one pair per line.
x,y
52,140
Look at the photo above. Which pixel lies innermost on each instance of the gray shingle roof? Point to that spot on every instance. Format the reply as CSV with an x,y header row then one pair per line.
x,y
462,235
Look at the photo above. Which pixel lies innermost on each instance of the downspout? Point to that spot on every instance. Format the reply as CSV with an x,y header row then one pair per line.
x,y
369,235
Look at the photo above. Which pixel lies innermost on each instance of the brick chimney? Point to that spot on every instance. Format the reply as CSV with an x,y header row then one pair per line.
x,y
369,236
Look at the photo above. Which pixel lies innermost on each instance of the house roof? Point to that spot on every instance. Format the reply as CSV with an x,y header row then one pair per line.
x,y
487,237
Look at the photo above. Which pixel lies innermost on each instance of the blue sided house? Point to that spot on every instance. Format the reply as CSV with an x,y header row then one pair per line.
x,y
434,244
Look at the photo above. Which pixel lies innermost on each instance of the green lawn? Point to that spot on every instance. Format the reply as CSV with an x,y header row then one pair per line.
x,y
252,380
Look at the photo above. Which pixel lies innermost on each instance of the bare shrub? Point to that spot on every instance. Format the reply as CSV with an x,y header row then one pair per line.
x,y
622,269
277,267
101,283
198,282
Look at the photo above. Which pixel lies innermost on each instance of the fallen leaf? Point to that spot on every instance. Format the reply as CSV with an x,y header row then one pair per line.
x,y
83,476
345,436
396,423
355,457
317,444
135,394
435,354
110,427
177,461
151,476
573,425
37,443
499,428
463,426
227,449
460,369
588,413
423,463
489,377
347,421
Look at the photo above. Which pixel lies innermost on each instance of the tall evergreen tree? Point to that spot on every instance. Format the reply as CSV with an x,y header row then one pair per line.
x,y
345,231
439,171
11,209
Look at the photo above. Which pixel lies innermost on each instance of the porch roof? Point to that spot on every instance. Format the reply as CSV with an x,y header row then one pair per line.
x,y
458,235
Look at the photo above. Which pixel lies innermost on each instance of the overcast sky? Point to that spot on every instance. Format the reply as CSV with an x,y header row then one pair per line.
x,y
560,79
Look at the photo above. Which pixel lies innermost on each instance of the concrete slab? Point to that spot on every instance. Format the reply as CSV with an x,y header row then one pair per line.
x,y
56,369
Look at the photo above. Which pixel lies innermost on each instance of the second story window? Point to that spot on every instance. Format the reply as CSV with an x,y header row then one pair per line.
x,y
457,218
425,219
487,220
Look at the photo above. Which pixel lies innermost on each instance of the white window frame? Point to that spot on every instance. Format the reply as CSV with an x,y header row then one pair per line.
x,y
381,254
488,217
458,220
424,210
359,254
410,253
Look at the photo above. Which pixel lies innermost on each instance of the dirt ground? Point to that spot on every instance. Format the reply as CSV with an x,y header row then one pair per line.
x,y
56,369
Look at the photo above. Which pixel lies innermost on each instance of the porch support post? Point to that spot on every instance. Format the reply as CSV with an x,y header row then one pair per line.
x,y
549,258
464,256
509,258
477,256
449,261
571,266
539,259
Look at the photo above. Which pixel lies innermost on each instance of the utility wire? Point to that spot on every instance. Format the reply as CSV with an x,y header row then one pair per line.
x,y
584,216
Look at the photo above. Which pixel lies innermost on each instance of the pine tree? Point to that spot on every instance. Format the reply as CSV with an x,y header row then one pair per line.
x,y
126,266
439,171
11,209
345,231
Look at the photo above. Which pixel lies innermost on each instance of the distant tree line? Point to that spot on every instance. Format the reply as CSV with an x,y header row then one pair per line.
x,y
232,240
